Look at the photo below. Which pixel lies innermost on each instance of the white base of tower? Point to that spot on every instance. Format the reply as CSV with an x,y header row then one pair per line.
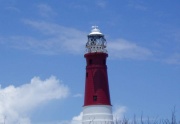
x,y
97,114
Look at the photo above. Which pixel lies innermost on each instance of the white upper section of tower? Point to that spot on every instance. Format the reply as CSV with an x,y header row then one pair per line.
x,y
96,41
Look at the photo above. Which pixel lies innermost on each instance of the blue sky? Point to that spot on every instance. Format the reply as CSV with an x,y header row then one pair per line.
x,y
42,65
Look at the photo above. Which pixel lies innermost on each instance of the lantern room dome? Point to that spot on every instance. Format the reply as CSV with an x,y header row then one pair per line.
x,y
95,31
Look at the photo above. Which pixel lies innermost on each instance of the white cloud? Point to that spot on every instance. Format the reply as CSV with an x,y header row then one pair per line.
x,y
58,39
55,39
119,112
78,95
61,39
77,119
173,59
45,10
17,102
101,3
137,5
13,9
124,49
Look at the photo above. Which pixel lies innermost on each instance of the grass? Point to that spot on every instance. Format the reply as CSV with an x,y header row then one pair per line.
x,y
147,120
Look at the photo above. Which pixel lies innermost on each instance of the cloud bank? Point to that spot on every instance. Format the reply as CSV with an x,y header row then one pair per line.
x,y
56,39
17,102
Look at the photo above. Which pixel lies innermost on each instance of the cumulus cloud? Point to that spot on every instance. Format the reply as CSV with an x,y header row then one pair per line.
x,y
77,119
17,102
124,49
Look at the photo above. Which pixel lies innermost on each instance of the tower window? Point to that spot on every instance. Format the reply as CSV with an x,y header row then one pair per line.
x,y
86,74
90,61
104,61
94,98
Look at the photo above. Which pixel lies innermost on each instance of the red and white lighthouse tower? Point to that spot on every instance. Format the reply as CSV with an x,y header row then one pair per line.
x,y
97,107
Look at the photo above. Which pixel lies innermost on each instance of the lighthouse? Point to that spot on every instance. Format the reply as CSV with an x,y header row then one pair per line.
x,y
97,108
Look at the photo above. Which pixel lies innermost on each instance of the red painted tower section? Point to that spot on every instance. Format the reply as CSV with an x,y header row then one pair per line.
x,y
96,87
